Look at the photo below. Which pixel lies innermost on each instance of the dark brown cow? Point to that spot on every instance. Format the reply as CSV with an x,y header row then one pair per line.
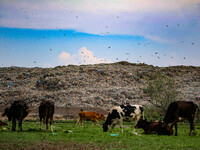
x,y
183,109
17,111
153,127
3,123
46,112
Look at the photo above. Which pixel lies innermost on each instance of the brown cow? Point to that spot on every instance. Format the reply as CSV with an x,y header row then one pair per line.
x,y
89,116
151,127
184,109
46,112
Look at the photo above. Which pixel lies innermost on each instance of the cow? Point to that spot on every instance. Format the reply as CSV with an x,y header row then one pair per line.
x,y
153,127
89,116
118,114
3,123
17,111
46,112
183,109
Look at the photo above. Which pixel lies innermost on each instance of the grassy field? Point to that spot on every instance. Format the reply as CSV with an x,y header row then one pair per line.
x,y
68,136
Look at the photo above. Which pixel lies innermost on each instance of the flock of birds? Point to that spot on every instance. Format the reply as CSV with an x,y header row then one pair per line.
x,y
109,47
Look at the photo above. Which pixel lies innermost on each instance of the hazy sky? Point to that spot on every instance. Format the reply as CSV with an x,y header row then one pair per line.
x,y
48,33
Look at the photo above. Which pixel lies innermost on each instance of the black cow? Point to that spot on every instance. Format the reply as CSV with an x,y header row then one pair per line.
x,y
123,112
183,109
153,127
46,112
17,111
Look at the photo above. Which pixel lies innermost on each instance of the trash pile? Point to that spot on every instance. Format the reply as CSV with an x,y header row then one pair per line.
x,y
99,85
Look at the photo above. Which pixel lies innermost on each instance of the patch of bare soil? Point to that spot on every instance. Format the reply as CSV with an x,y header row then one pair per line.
x,y
52,146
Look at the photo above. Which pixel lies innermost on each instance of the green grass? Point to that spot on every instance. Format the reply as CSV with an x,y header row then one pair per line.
x,y
94,138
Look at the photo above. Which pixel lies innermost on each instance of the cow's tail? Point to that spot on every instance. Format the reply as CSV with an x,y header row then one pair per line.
x,y
197,113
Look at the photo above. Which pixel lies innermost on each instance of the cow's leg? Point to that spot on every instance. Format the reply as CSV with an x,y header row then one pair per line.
x,y
44,120
47,121
113,126
191,125
51,123
81,122
20,125
175,123
121,125
40,123
176,129
136,120
77,121
14,125
97,122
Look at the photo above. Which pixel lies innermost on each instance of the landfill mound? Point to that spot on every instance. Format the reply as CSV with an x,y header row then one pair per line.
x,y
99,85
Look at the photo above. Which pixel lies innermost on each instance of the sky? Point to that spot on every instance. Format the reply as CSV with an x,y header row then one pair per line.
x,y
50,33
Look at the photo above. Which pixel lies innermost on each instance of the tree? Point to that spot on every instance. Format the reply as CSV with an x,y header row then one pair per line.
x,y
161,90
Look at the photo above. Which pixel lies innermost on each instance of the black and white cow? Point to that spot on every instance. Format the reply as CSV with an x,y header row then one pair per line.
x,y
123,112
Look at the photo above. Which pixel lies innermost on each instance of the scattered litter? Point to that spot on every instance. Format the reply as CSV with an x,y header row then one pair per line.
x,y
69,131
114,134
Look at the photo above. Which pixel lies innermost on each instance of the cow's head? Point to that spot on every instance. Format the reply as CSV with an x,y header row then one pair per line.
x,y
8,114
164,129
141,123
102,117
105,127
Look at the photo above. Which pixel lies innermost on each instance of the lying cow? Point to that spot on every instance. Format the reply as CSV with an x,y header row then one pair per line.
x,y
153,127
90,116
46,112
17,111
123,112
3,123
183,109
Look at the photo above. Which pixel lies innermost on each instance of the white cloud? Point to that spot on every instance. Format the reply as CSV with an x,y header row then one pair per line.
x,y
84,56
136,17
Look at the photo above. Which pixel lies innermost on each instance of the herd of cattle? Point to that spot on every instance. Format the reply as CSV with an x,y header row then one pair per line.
x,y
117,114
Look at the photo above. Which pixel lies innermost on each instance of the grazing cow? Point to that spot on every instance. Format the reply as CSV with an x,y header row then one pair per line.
x,y
89,116
151,127
123,112
17,111
183,109
46,112
3,123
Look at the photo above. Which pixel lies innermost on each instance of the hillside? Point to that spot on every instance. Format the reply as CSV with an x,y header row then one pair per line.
x,y
100,85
